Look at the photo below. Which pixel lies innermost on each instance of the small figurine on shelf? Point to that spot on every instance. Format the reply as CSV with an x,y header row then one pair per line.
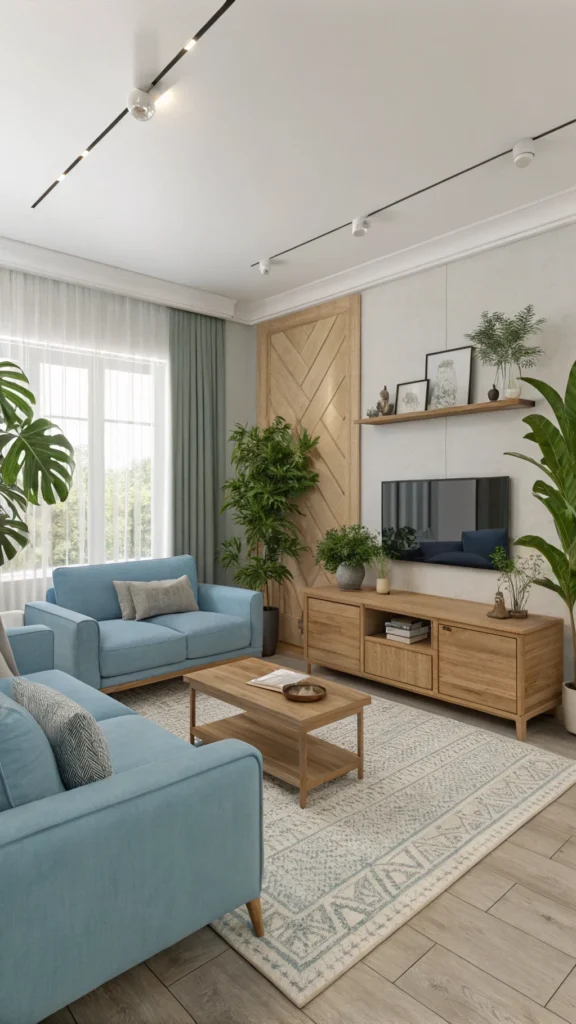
x,y
372,413
384,406
499,610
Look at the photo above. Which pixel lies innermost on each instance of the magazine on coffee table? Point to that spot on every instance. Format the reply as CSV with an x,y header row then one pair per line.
x,y
278,679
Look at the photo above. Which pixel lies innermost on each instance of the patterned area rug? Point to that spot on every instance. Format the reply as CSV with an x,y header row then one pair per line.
x,y
364,857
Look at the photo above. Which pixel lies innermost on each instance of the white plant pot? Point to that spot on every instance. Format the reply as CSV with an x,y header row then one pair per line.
x,y
569,707
513,388
382,585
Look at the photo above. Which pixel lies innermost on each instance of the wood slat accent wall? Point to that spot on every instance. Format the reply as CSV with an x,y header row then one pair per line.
x,y
309,373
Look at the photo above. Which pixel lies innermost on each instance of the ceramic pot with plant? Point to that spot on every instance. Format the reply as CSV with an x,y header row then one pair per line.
x,y
273,468
500,341
395,540
346,551
557,444
517,576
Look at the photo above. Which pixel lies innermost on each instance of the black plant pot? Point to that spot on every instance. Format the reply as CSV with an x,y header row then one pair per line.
x,y
494,394
270,635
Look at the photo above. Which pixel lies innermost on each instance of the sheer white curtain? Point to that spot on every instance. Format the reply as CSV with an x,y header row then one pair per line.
x,y
98,365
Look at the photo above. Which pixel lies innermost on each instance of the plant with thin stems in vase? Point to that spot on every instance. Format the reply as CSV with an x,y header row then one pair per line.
x,y
500,341
557,444
517,576
273,469
395,540
346,551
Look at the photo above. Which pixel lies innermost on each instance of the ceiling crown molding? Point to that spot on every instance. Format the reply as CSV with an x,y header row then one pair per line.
x,y
533,219
58,265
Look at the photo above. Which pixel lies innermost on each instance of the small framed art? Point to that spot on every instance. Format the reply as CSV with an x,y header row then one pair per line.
x,y
450,376
411,397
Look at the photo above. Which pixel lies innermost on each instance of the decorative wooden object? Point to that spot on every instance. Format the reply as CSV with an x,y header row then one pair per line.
x,y
309,373
512,668
280,728
455,410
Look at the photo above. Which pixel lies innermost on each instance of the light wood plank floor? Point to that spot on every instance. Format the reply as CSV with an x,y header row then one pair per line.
x,y
498,948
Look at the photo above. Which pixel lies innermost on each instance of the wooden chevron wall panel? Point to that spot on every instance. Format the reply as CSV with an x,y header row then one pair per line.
x,y
309,373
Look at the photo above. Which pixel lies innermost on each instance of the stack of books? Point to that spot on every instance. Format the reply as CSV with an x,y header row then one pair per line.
x,y
407,630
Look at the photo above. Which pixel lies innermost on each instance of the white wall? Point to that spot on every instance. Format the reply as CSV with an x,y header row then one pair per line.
x,y
434,309
241,381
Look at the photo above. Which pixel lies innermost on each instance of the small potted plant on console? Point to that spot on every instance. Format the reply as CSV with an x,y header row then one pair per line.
x,y
395,540
517,576
346,551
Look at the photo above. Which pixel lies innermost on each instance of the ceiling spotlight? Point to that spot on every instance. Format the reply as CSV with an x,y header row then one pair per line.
x,y
264,267
524,152
360,226
141,105
190,44
60,177
85,154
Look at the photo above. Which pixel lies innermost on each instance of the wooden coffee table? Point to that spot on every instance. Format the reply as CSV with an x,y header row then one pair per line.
x,y
278,727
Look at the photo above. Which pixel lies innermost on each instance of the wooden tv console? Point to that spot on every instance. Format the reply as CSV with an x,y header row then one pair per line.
x,y
512,668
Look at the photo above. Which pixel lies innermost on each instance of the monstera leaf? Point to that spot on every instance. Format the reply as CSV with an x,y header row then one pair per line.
x,y
16,400
13,536
41,457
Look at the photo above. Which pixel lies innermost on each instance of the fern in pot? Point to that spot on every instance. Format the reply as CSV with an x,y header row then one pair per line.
x,y
346,551
273,469
557,444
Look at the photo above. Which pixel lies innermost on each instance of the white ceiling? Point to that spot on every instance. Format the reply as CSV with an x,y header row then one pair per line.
x,y
289,117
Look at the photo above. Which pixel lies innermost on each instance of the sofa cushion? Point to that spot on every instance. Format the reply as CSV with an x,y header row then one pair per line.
x,y
89,589
137,741
28,769
162,597
127,646
73,733
98,704
207,633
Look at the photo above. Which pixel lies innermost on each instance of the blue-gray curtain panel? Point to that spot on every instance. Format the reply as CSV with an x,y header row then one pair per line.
x,y
197,375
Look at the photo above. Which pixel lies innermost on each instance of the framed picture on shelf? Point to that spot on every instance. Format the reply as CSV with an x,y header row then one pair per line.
x,y
411,397
450,376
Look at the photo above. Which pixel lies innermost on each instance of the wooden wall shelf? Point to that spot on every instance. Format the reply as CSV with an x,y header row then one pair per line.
x,y
456,410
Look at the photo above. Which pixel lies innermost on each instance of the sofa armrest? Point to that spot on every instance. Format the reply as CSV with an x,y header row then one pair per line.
x,y
97,879
32,647
76,639
246,604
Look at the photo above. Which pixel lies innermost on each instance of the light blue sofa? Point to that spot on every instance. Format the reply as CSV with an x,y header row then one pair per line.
x,y
97,879
93,643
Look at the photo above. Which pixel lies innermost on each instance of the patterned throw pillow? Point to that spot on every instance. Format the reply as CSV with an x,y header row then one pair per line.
x,y
78,743
163,597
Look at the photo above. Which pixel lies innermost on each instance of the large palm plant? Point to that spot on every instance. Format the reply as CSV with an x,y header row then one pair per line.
x,y
558,494
36,460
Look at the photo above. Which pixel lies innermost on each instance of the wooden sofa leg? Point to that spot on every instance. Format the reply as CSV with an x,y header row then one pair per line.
x,y
254,908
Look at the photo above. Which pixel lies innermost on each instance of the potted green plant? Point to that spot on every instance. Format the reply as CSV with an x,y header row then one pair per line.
x,y
36,460
346,551
557,444
273,468
394,541
517,576
500,341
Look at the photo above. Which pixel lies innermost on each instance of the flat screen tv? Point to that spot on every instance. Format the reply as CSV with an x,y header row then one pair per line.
x,y
458,521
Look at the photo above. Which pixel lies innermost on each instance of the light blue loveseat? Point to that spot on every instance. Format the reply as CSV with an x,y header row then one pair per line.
x,y
97,879
93,643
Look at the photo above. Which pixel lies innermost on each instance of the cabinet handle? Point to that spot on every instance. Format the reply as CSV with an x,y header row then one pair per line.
x,y
448,629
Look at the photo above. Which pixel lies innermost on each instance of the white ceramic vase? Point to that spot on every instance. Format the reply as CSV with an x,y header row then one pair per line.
x,y
569,707
513,388
382,585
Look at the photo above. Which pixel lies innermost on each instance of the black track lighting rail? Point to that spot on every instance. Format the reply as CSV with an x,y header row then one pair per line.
x,y
162,74
418,192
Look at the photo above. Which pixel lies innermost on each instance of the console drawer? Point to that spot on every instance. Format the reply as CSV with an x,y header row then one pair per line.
x,y
477,667
333,633
395,665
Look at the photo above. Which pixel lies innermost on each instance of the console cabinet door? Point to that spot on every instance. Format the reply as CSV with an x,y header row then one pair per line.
x,y
477,667
333,633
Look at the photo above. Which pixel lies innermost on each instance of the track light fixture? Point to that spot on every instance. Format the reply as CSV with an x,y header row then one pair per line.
x,y
360,226
524,152
264,267
141,105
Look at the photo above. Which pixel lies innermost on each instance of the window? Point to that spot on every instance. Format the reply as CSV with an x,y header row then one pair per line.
x,y
112,409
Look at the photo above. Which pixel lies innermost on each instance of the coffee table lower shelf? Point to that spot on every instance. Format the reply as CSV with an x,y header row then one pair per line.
x,y
295,757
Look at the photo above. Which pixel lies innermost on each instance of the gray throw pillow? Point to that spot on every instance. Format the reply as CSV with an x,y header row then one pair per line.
x,y
163,597
76,739
125,598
